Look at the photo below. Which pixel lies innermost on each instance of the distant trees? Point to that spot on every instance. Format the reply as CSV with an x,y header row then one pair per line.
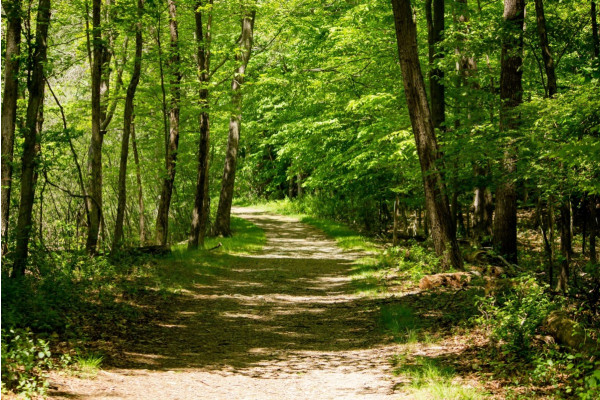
x,y
501,130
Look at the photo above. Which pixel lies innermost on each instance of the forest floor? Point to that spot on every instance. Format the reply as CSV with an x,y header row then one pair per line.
x,y
287,322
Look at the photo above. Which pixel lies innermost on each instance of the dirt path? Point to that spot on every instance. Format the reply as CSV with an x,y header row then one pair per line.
x,y
281,324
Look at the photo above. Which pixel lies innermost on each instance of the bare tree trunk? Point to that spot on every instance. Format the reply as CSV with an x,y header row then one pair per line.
x,y
594,225
595,40
138,176
95,151
162,222
511,95
483,208
31,146
396,215
565,246
435,28
200,211
443,232
222,223
127,125
12,9
546,53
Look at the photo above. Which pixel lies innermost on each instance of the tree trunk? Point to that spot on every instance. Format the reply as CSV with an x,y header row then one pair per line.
x,y
483,208
546,53
127,125
595,40
95,151
594,225
12,9
31,145
565,246
443,232
162,222
396,215
511,95
200,211
435,28
138,176
222,223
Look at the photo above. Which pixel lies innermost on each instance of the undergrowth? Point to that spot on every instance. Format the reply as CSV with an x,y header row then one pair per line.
x,y
72,300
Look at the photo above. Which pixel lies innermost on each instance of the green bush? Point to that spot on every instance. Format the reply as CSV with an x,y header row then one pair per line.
x,y
514,317
25,361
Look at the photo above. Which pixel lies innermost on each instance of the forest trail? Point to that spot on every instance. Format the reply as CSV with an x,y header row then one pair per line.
x,y
284,323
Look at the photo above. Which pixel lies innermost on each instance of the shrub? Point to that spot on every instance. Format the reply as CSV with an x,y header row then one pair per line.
x,y
515,316
25,361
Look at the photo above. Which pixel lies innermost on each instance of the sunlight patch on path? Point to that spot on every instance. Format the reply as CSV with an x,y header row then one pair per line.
x,y
282,323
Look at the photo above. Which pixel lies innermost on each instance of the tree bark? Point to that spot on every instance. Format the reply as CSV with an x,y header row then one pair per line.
x,y
594,225
95,151
442,229
483,208
12,9
127,125
162,222
435,27
565,245
31,145
138,175
396,215
595,40
222,222
201,201
511,95
546,53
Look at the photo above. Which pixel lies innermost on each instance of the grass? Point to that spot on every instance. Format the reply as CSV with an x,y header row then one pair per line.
x,y
91,301
87,366
428,379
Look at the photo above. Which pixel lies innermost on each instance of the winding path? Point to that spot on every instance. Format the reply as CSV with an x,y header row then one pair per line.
x,y
280,324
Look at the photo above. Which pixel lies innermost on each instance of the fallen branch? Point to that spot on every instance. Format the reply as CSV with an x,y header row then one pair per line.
x,y
568,333
216,247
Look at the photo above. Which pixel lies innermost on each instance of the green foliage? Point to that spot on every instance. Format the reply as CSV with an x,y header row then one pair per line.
x,y
25,361
414,260
430,379
514,317
400,321
88,365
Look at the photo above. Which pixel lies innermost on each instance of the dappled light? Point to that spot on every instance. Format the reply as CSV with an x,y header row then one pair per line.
x,y
290,311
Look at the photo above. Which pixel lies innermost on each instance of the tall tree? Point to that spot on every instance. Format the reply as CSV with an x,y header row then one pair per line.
x,y
435,27
138,176
546,52
127,126
511,95
595,40
12,9
162,221
222,223
201,201
31,145
95,150
442,228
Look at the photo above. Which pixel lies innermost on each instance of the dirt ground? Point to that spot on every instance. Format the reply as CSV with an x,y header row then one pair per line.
x,y
281,324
